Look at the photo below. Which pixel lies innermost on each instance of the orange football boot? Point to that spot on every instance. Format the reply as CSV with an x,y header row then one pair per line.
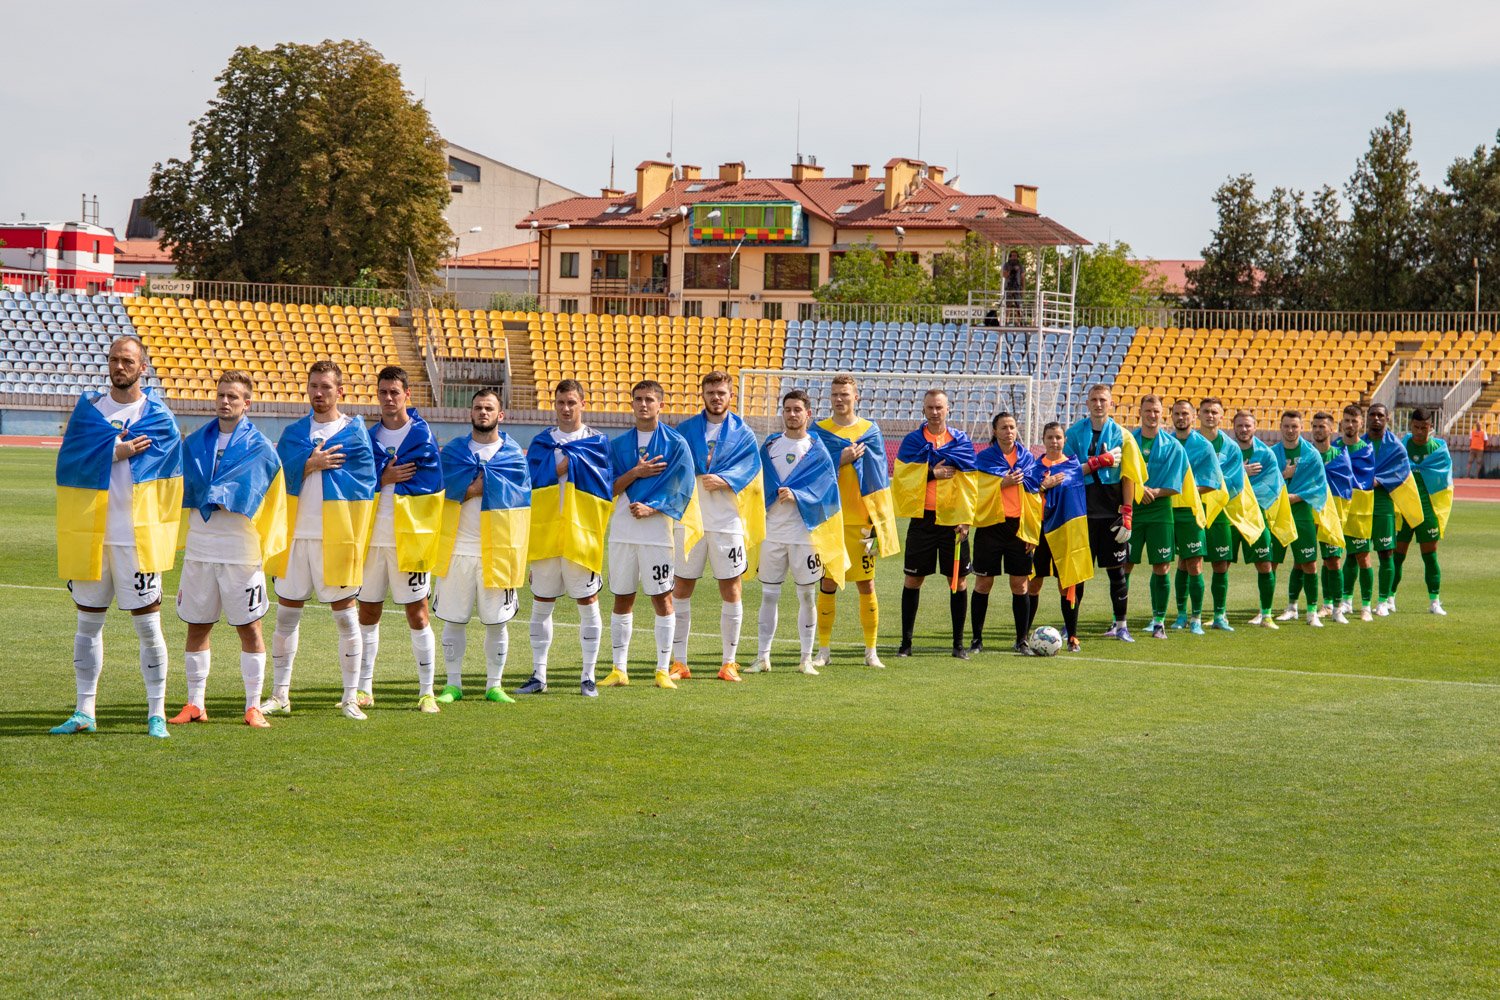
x,y
189,713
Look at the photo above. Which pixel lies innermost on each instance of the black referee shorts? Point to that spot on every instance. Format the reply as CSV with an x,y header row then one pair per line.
x,y
929,548
998,549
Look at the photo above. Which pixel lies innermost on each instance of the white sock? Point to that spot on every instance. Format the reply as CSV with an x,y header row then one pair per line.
x,y
807,617
666,630
195,667
351,649
620,627
731,622
253,670
153,661
541,637
590,631
424,648
369,637
284,650
683,624
496,649
88,659
770,601
455,642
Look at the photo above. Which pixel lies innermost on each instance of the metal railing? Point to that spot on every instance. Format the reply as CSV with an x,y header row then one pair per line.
x,y
628,286
302,295
1457,400
85,284
1352,321
419,308
1384,392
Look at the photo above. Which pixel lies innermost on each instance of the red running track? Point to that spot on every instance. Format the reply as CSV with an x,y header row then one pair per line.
x,y
23,441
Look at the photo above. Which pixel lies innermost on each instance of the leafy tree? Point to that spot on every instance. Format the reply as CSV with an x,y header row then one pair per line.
x,y
1382,243
970,264
1278,256
1461,224
1227,279
313,165
864,274
1317,265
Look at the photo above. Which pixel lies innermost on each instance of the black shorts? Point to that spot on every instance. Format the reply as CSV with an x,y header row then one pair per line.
x,y
998,549
1041,559
929,548
1108,553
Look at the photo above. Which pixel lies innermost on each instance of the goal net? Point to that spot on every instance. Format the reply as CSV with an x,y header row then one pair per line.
x,y
894,399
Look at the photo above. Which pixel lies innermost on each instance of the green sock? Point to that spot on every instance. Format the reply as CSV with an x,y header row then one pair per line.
x,y
1293,585
1333,586
1220,587
1310,583
1180,589
1195,594
1367,584
1434,574
1399,561
1267,591
1351,574
1385,574
1161,589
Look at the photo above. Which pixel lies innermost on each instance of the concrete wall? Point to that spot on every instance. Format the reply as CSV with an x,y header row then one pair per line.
x,y
502,197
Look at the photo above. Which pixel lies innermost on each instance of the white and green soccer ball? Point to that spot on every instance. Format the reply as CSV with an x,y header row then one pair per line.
x,y
1046,641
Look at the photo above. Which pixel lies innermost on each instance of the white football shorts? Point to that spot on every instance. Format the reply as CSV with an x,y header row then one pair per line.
x,y
208,591
304,575
120,582
382,577
457,593
552,578
777,557
645,568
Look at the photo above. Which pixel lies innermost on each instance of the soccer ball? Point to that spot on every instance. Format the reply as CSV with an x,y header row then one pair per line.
x,y
1046,641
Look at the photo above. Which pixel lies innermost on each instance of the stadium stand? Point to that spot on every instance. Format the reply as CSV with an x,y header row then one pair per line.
x,y
55,343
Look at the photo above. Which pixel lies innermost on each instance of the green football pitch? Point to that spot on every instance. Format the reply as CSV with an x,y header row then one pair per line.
x,y
1298,813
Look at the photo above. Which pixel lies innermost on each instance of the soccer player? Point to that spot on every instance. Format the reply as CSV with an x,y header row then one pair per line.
x,y
402,550
1265,479
123,444
330,479
1190,538
484,473
235,497
1392,469
1153,538
1359,562
653,487
1219,535
1302,471
798,470
726,460
566,552
1059,479
1340,474
858,447
998,546
934,486
1111,498
1433,466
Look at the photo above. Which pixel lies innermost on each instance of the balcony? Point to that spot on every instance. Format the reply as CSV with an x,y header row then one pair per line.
x,y
630,287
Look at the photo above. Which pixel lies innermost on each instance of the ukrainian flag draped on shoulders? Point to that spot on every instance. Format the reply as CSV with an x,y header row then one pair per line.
x,y
1202,471
1392,472
1340,474
956,497
83,471
814,483
673,492
1131,466
870,473
736,459
1361,507
1064,519
569,516
504,509
1167,466
1270,491
348,498
1240,504
1435,473
1309,483
247,479
418,501
992,464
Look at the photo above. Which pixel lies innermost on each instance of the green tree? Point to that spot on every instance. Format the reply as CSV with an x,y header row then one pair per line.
x,y
1278,255
1383,239
865,274
1317,266
970,264
1227,279
1109,278
1462,224
311,165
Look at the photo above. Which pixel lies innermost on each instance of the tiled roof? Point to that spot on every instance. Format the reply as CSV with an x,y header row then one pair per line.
x,y
517,256
141,252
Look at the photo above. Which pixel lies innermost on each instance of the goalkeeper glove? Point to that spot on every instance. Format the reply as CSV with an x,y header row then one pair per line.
x,y
1104,460
1122,525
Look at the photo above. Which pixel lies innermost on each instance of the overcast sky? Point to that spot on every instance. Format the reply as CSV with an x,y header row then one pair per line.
x,y
1126,115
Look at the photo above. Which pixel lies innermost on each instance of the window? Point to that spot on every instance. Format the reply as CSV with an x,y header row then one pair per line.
x,y
696,186
727,310
692,307
710,270
567,265
96,251
567,305
846,208
456,188
791,272
462,170
771,310
617,266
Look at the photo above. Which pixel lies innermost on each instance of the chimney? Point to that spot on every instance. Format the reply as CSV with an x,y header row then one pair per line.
x,y
937,173
732,172
806,170
900,173
652,178
610,193
691,172
860,172
1026,196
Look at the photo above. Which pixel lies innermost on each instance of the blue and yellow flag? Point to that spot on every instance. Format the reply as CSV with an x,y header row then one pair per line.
x,y
83,468
1434,473
1340,473
504,509
1392,473
348,499
569,517
673,492
1167,466
246,480
1309,483
1132,466
1270,492
1203,468
866,481
1240,505
735,458
1064,519
991,464
956,497
814,483
1361,507
418,501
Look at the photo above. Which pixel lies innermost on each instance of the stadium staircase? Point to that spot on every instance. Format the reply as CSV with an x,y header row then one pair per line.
x,y
523,387
409,356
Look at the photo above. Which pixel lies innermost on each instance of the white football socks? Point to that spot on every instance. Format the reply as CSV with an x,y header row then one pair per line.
x,y
424,648
153,661
807,617
770,610
541,637
731,622
683,615
666,631
253,671
620,628
195,667
496,649
590,631
88,659
369,636
351,649
284,650
455,642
